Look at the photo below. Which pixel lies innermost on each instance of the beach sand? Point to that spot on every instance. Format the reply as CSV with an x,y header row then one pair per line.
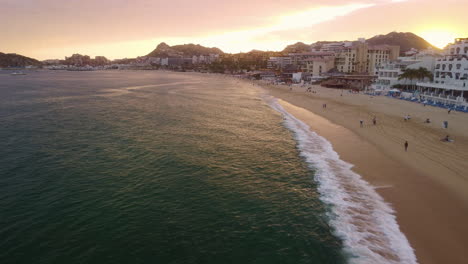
x,y
427,186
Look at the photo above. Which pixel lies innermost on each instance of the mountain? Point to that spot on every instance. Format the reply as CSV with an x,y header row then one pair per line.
x,y
406,41
186,50
15,60
297,48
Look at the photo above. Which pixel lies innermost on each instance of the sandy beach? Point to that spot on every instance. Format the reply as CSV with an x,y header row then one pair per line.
x,y
427,185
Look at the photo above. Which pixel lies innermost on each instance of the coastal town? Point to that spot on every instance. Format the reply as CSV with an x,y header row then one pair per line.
x,y
429,76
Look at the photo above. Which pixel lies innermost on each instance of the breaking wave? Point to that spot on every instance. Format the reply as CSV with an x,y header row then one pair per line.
x,y
359,215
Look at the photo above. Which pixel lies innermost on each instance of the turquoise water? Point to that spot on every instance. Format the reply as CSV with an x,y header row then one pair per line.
x,y
151,167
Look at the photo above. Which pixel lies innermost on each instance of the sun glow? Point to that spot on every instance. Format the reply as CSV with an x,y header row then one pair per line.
x,y
438,38
262,37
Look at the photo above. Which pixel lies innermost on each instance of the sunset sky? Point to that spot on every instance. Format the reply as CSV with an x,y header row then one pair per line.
x,y
48,29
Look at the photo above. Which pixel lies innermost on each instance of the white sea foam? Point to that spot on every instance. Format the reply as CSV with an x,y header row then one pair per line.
x,y
359,216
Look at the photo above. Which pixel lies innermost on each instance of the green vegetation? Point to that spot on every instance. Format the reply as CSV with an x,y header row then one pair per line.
x,y
416,74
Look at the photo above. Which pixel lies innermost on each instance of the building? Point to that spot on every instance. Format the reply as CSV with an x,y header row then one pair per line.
x,y
362,58
300,60
331,46
352,59
164,61
205,59
450,85
179,61
317,66
278,62
100,61
78,60
297,77
388,73
378,55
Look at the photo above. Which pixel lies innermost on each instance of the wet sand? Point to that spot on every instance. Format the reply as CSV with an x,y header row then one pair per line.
x,y
427,186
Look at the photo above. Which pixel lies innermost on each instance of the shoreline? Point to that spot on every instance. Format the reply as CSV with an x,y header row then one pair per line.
x,y
430,199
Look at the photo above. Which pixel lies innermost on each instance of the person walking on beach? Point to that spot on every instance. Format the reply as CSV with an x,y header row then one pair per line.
x,y
361,122
406,146
445,124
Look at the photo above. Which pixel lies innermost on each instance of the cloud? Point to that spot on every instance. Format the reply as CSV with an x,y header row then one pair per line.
x,y
124,28
271,36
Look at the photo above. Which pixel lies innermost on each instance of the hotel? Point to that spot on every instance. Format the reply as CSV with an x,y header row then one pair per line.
x,y
450,86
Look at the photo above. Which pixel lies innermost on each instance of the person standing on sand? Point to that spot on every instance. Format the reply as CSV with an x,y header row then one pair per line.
x,y
374,120
406,145
361,122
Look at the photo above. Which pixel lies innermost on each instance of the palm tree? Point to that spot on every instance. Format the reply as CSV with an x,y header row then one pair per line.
x,y
424,73
418,74
409,74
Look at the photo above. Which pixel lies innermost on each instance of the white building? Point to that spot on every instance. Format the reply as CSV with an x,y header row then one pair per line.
x,y
205,59
389,72
297,77
450,86
164,61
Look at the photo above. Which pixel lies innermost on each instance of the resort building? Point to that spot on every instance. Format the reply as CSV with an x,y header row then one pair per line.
x,y
352,59
301,59
362,58
278,62
388,73
450,86
378,55
356,57
317,66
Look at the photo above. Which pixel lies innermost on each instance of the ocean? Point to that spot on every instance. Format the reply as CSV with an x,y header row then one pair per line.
x,y
161,167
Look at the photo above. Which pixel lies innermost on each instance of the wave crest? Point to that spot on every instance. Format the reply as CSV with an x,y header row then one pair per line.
x,y
359,215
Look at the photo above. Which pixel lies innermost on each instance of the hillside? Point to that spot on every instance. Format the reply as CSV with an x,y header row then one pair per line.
x,y
406,41
297,48
15,60
186,50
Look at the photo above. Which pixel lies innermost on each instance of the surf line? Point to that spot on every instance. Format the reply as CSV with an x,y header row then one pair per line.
x,y
358,214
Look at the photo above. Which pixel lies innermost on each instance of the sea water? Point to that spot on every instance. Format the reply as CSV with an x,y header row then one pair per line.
x,y
158,167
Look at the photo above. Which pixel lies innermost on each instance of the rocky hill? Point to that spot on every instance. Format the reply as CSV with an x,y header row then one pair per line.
x,y
186,50
15,60
406,41
297,48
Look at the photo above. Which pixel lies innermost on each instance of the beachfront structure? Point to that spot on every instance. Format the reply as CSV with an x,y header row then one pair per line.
x,y
317,66
380,54
389,73
363,58
278,62
300,59
450,85
205,59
